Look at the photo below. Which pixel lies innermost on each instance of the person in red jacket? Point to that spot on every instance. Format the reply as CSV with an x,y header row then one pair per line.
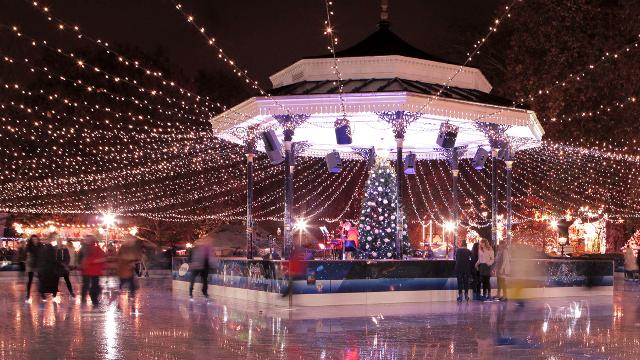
x,y
92,265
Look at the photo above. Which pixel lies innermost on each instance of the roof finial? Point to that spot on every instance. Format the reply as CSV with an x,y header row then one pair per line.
x,y
384,13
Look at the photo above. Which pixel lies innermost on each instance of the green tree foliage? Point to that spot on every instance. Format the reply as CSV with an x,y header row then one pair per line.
x,y
378,223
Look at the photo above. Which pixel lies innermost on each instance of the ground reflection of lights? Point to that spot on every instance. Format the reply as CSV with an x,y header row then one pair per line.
x,y
111,332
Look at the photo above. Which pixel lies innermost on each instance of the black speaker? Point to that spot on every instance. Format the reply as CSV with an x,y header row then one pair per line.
x,y
447,135
505,153
334,163
343,132
272,146
410,164
480,158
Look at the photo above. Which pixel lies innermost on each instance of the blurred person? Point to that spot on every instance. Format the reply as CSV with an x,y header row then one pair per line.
x,y
199,264
63,260
486,258
128,255
475,275
73,256
630,263
428,252
524,267
463,268
48,267
351,239
503,268
92,267
31,259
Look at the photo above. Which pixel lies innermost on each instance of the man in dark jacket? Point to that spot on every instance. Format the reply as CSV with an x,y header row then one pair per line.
x,y
63,259
463,268
47,270
474,272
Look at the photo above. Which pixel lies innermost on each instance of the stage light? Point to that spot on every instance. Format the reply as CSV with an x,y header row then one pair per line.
x,y
447,135
108,219
449,226
189,245
343,132
553,223
301,224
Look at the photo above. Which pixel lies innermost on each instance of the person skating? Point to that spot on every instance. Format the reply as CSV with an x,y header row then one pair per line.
x,y
31,260
503,269
199,267
128,255
463,269
475,275
63,261
92,267
486,258
630,264
47,268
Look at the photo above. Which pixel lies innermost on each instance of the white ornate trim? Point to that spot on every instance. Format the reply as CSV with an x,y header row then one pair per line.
x,y
382,67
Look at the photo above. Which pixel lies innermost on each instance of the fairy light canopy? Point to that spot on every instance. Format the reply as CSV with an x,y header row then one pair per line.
x,y
381,74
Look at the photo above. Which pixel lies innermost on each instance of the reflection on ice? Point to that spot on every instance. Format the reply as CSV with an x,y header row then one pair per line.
x,y
173,327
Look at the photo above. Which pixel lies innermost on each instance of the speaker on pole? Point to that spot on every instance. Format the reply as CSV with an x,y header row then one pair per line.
x,y
272,146
410,164
334,163
505,153
480,158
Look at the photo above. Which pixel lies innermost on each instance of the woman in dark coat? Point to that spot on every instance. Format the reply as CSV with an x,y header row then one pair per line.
x,y
31,261
47,270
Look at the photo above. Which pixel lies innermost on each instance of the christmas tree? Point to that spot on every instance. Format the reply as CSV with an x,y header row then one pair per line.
x,y
378,223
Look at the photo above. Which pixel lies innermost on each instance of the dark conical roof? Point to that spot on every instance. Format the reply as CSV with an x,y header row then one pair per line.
x,y
383,42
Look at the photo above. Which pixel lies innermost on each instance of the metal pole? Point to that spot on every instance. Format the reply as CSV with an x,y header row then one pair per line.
x,y
509,165
399,178
494,198
288,197
431,233
454,196
250,224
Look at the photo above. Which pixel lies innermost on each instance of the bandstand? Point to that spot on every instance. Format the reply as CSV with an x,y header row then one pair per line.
x,y
392,98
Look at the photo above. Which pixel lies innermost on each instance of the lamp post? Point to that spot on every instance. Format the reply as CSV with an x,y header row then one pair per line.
x,y
562,241
301,225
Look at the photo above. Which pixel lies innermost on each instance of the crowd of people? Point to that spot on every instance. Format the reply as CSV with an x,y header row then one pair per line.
x,y
51,259
474,269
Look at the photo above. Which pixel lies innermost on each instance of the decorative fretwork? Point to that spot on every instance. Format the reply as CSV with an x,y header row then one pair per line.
x,y
399,120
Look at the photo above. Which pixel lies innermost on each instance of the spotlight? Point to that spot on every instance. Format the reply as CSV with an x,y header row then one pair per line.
x,y
343,132
272,147
334,163
449,226
410,164
480,158
108,219
447,135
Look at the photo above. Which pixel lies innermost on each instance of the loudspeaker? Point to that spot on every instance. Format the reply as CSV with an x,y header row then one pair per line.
x,y
505,153
334,163
447,135
343,132
410,164
479,159
272,146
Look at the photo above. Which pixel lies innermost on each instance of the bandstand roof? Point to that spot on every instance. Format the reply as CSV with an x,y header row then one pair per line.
x,y
381,73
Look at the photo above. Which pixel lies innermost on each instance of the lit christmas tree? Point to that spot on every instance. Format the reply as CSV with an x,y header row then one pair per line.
x,y
377,227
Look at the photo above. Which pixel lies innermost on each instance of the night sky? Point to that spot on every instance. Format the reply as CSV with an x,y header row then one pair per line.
x,y
263,36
